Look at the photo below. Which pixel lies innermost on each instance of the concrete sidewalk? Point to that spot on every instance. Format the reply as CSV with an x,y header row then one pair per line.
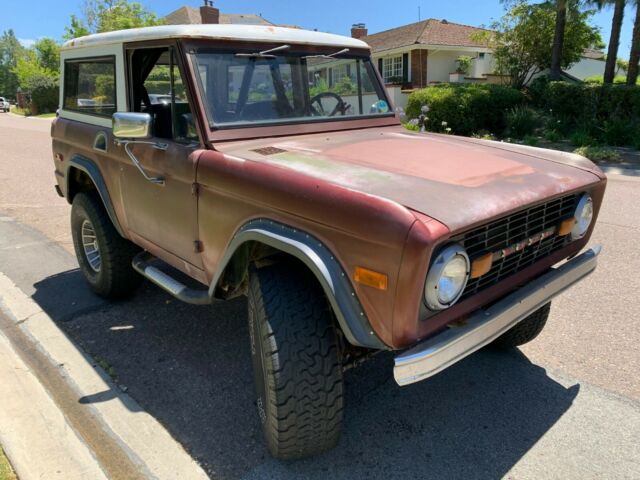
x,y
61,415
35,434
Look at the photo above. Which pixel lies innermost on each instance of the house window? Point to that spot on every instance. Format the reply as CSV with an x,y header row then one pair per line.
x,y
392,69
338,73
90,86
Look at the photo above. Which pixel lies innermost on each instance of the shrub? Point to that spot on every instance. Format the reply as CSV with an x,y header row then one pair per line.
x,y
464,108
605,111
531,141
411,126
617,132
521,121
463,64
484,136
44,94
599,154
581,138
552,135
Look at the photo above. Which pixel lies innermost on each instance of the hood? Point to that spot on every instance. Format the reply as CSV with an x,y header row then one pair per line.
x,y
457,181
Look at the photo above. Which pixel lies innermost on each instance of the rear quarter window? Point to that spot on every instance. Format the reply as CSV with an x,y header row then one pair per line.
x,y
90,86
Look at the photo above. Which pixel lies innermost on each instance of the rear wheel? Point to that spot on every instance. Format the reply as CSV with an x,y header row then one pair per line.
x,y
526,330
298,376
103,255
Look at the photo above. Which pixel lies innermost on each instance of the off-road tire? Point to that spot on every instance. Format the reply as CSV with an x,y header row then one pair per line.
x,y
116,277
526,330
298,376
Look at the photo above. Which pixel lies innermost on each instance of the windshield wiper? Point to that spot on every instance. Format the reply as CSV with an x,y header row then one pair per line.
x,y
264,53
331,55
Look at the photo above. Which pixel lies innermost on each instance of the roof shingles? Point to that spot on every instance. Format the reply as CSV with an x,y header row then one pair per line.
x,y
426,32
191,16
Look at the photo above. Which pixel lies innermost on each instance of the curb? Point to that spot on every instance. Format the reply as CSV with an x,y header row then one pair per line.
x,y
123,437
60,453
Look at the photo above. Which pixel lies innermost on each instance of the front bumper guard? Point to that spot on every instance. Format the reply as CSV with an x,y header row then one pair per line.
x,y
482,327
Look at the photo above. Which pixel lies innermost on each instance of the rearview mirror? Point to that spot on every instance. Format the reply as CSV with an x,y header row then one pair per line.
x,y
131,125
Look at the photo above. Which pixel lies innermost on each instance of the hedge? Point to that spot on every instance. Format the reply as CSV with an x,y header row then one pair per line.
x,y
466,108
608,113
44,94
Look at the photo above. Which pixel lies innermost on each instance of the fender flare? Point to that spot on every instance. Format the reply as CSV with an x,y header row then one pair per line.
x,y
91,169
322,263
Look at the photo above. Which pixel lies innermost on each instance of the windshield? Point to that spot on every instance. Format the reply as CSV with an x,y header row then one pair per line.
x,y
281,87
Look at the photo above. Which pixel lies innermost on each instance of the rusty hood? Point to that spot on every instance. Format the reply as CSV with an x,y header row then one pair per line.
x,y
457,181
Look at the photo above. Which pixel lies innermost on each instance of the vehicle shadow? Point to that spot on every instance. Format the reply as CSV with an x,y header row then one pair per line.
x,y
190,368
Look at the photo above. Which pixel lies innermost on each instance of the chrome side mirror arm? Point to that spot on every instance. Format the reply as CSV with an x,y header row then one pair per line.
x,y
159,146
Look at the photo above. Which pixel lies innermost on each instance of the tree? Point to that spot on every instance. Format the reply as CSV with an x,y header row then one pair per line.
x,y
108,15
612,62
37,71
41,60
634,56
558,39
523,39
10,51
48,54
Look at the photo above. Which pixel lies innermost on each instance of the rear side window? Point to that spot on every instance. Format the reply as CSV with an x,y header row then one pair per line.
x,y
90,86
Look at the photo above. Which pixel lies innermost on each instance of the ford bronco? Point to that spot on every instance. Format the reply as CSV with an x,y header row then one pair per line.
x,y
219,160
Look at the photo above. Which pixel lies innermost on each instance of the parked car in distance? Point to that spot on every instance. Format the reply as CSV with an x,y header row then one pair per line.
x,y
276,169
4,105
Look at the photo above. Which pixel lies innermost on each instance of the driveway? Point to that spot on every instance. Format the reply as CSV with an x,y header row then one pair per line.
x,y
565,406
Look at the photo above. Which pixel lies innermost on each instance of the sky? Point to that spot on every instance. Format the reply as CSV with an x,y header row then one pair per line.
x,y
33,19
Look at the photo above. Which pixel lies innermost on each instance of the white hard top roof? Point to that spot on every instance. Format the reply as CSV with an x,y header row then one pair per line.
x,y
249,33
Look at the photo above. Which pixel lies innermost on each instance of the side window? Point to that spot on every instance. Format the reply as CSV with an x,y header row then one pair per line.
x,y
90,86
159,89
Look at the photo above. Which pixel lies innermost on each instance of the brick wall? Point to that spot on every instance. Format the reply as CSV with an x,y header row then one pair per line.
x,y
419,68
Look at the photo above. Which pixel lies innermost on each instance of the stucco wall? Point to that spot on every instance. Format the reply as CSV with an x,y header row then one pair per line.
x,y
443,62
587,67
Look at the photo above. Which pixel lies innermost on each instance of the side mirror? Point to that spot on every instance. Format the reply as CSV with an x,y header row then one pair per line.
x,y
132,125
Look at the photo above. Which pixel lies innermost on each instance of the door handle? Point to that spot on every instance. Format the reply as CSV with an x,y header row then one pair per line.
x,y
160,146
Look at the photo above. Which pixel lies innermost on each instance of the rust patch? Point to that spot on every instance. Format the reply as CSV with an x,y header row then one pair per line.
x,y
266,151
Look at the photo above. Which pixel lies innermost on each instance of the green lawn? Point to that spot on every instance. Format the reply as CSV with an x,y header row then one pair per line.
x,y
19,111
6,472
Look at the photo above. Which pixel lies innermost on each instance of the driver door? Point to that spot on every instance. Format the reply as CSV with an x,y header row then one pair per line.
x,y
162,215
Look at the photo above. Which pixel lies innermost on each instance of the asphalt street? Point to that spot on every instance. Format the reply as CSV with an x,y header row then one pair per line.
x,y
565,406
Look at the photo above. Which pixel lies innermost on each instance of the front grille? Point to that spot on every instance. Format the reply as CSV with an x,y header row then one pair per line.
x,y
508,231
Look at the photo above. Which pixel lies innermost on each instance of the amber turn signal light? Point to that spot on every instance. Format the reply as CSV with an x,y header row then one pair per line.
x,y
566,226
371,278
481,265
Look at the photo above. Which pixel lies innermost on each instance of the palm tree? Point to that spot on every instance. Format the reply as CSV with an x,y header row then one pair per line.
x,y
634,57
558,40
614,40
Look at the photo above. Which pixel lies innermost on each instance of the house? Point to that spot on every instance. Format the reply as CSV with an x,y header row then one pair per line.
x,y
425,53
591,64
209,14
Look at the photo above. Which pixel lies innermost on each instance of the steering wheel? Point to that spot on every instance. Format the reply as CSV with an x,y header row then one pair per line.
x,y
341,106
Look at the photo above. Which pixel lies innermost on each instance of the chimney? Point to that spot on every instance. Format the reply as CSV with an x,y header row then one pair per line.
x,y
359,30
208,13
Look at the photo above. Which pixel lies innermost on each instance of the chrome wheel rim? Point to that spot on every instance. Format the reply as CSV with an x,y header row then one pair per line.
x,y
90,246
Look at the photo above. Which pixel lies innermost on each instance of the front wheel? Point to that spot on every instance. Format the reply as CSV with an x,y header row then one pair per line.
x,y
526,330
103,255
298,376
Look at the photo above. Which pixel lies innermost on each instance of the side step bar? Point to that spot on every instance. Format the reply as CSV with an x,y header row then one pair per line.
x,y
169,284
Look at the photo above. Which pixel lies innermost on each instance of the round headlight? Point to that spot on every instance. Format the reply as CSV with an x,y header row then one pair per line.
x,y
447,277
584,216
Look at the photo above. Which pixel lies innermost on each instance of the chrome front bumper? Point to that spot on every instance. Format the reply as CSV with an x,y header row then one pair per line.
x,y
446,348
